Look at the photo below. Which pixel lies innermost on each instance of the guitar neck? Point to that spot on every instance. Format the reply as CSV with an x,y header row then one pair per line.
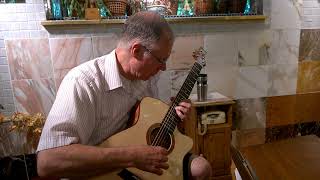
x,y
171,119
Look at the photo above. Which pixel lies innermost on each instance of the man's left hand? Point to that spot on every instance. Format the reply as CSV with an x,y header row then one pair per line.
x,y
183,109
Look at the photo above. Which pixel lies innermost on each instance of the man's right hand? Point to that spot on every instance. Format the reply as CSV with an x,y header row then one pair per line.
x,y
150,158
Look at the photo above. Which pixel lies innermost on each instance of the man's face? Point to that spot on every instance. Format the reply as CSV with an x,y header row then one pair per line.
x,y
154,59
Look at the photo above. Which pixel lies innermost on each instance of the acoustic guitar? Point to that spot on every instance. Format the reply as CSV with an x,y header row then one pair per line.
x,y
155,125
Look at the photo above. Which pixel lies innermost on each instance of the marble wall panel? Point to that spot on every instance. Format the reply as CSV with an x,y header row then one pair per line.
x,y
252,82
283,78
308,77
177,79
59,75
164,86
67,53
181,55
221,48
29,58
288,50
281,110
250,114
309,45
307,107
285,14
34,96
254,47
222,79
102,45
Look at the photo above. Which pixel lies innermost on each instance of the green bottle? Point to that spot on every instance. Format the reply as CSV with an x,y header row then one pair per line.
x,y
185,8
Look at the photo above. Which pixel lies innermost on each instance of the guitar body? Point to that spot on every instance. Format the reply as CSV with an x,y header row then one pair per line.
x,y
152,112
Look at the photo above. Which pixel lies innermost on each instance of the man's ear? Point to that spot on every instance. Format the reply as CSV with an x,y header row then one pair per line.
x,y
137,51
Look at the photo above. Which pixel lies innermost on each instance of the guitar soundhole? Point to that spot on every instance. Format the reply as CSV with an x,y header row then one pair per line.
x,y
164,140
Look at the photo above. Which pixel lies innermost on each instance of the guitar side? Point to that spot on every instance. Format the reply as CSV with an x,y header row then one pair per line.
x,y
152,111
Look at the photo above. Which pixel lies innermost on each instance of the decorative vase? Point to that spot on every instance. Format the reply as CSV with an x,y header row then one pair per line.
x,y
56,9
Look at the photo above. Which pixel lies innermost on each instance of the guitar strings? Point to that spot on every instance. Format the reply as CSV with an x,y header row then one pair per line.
x,y
167,125
160,137
163,130
170,126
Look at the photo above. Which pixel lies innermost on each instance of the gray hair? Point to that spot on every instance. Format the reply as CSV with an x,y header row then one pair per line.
x,y
146,27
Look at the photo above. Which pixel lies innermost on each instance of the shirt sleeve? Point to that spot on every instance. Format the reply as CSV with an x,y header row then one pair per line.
x,y
72,116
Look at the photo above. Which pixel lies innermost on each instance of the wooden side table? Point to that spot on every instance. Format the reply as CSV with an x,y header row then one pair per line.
x,y
214,144
295,159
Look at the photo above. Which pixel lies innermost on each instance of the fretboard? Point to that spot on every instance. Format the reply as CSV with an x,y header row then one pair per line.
x,y
171,119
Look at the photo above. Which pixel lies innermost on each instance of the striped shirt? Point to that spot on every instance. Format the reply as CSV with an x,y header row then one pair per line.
x,y
93,102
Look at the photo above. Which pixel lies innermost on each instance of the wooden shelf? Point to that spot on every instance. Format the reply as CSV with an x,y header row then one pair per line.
x,y
170,19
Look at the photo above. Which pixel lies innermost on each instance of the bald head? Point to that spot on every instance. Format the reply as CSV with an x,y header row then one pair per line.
x,y
146,27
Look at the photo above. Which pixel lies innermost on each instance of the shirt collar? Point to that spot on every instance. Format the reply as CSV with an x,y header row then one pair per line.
x,y
112,74
116,80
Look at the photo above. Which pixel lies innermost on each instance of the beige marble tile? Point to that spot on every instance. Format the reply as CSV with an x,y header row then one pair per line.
x,y
285,46
221,48
29,58
252,82
222,79
255,47
308,77
283,78
309,45
181,55
103,45
286,14
33,96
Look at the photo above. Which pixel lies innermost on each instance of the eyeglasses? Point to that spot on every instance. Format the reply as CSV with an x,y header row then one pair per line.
x,y
161,61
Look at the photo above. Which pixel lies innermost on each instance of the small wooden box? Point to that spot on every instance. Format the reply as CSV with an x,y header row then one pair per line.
x,y
92,13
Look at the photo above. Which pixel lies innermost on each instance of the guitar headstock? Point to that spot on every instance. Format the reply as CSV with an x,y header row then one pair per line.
x,y
199,56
